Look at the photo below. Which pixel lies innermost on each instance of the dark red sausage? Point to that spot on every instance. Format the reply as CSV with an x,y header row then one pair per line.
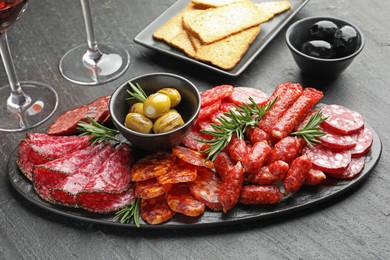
x,y
238,149
297,174
286,149
295,113
215,94
223,163
256,157
269,174
256,134
314,177
286,94
253,194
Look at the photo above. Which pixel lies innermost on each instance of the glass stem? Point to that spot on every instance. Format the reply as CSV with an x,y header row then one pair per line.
x,y
17,99
93,54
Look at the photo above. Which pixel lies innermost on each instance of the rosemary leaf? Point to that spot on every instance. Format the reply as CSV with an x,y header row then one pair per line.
x,y
99,132
136,92
130,212
312,129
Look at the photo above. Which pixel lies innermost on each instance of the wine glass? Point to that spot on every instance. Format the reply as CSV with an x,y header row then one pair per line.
x,y
90,64
23,105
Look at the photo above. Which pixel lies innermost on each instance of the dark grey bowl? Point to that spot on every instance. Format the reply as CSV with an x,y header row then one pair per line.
x,y
299,32
188,108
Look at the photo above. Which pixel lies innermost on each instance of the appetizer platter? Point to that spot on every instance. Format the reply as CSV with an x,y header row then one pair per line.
x,y
248,157
243,49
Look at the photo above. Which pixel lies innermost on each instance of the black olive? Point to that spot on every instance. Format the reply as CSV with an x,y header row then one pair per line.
x,y
323,30
345,40
318,49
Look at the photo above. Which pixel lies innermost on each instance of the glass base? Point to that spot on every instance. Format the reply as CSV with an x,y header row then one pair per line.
x,y
43,103
112,64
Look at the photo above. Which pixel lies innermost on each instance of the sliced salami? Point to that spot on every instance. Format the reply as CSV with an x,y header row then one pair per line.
x,y
342,120
191,140
156,210
364,143
215,94
206,188
180,171
209,110
180,199
338,142
66,124
192,157
327,160
152,166
354,169
148,189
241,96
98,109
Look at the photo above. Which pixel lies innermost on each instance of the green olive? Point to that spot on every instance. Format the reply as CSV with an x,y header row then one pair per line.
x,y
137,108
173,94
139,123
168,122
156,105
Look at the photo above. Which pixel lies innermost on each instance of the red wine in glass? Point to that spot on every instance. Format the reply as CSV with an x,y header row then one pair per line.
x,y
26,104
93,64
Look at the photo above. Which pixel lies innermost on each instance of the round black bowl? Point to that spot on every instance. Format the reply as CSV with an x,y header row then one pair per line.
x,y
188,108
299,32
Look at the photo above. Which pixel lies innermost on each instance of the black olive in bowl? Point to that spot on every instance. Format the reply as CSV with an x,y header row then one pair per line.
x,y
188,108
320,60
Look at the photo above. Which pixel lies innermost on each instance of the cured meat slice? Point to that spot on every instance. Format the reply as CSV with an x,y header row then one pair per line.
x,y
32,137
297,174
156,210
180,199
363,144
254,194
241,96
206,188
286,94
149,189
295,113
205,124
354,169
192,157
314,177
65,191
33,152
274,172
191,140
66,124
98,109
215,94
180,171
207,111
327,160
152,166
256,157
338,142
46,176
108,202
342,120
287,149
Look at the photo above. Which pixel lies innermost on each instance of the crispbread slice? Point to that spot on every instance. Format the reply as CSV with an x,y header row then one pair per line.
x,y
217,23
213,3
274,7
227,52
182,42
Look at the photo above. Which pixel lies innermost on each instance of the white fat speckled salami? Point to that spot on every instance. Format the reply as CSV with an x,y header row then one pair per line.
x,y
342,120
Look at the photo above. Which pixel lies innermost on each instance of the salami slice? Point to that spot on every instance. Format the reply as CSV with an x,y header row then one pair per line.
x,y
180,171
66,124
364,143
152,166
241,96
215,94
156,210
148,189
327,160
338,142
46,176
65,191
354,169
342,120
98,109
206,188
209,110
192,157
191,140
267,194
180,199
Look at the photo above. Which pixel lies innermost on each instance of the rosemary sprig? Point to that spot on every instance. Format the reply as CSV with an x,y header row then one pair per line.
x,y
312,129
136,92
99,132
235,121
130,212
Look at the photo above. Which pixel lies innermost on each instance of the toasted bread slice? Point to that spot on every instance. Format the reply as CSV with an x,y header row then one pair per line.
x,y
204,4
227,52
275,7
217,23
182,42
